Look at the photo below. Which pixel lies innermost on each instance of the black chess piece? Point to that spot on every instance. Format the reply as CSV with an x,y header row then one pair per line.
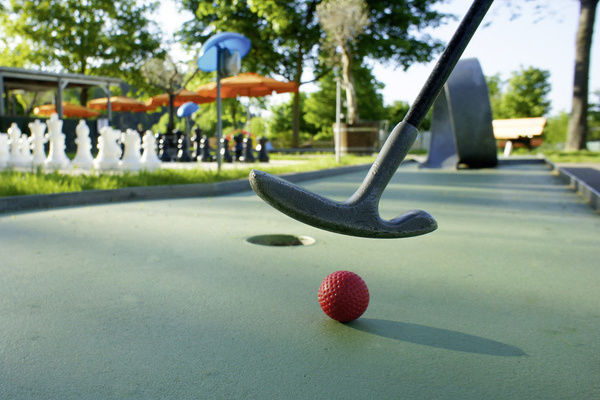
x,y
205,154
239,146
248,151
163,148
263,155
195,142
225,153
183,151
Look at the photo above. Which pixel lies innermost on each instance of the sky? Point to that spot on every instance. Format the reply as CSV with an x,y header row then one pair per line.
x,y
502,45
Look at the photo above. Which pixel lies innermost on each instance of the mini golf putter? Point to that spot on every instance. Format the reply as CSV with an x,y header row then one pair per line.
x,y
359,215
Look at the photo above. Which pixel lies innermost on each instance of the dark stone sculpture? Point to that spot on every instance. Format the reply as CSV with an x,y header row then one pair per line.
x,y
461,128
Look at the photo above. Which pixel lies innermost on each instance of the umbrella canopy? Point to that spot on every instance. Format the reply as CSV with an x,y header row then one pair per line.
x,y
187,109
182,97
118,103
249,84
69,110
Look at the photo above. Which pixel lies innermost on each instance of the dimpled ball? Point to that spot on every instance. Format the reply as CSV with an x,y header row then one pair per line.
x,y
343,296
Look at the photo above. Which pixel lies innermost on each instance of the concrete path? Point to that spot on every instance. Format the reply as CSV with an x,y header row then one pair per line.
x,y
166,299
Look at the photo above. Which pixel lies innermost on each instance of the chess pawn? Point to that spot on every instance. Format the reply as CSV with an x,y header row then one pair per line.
x,y
83,157
239,146
25,147
225,153
16,158
38,140
56,155
163,148
196,140
149,160
183,151
205,155
131,160
263,155
4,155
109,150
248,151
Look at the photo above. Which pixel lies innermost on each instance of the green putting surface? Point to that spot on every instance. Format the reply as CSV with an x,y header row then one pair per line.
x,y
167,300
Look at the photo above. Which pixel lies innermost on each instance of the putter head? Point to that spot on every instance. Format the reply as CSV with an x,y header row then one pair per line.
x,y
355,218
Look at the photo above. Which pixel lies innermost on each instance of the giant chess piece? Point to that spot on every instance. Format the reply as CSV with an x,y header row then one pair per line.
x,y
205,154
263,155
16,158
239,146
225,153
4,155
38,142
25,147
196,140
83,157
109,150
56,155
248,151
149,160
132,158
183,151
163,148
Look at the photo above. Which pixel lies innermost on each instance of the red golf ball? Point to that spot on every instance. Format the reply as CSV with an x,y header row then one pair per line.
x,y
343,296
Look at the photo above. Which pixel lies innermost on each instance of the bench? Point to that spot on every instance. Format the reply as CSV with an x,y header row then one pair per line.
x,y
518,132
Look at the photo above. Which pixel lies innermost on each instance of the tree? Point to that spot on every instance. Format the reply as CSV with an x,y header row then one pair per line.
x,y
494,85
286,36
100,37
166,75
578,123
527,94
319,107
344,21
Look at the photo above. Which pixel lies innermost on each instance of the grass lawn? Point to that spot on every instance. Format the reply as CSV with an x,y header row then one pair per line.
x,y
17,183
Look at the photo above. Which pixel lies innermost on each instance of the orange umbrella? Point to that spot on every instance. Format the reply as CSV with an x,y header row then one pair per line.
x,y
181,98
118,103
249,84
69,110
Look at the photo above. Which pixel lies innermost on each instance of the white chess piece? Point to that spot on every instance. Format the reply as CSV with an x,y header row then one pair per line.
x,y
109,150
38,139
25,147
150,160
57,157
16,158
4,156
131,160
83,156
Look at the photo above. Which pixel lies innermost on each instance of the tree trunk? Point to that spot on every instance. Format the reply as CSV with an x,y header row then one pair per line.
x,y
171,123
578,125
296,104
351,106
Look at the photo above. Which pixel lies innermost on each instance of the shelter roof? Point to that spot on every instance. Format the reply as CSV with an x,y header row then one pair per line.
x,y
18,78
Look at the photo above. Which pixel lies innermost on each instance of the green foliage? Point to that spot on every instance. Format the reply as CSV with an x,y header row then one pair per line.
x,y
258,126
581,156
594,118
525,96
103,37
280,124
494,86
319,107
286,37
556,129
527,93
